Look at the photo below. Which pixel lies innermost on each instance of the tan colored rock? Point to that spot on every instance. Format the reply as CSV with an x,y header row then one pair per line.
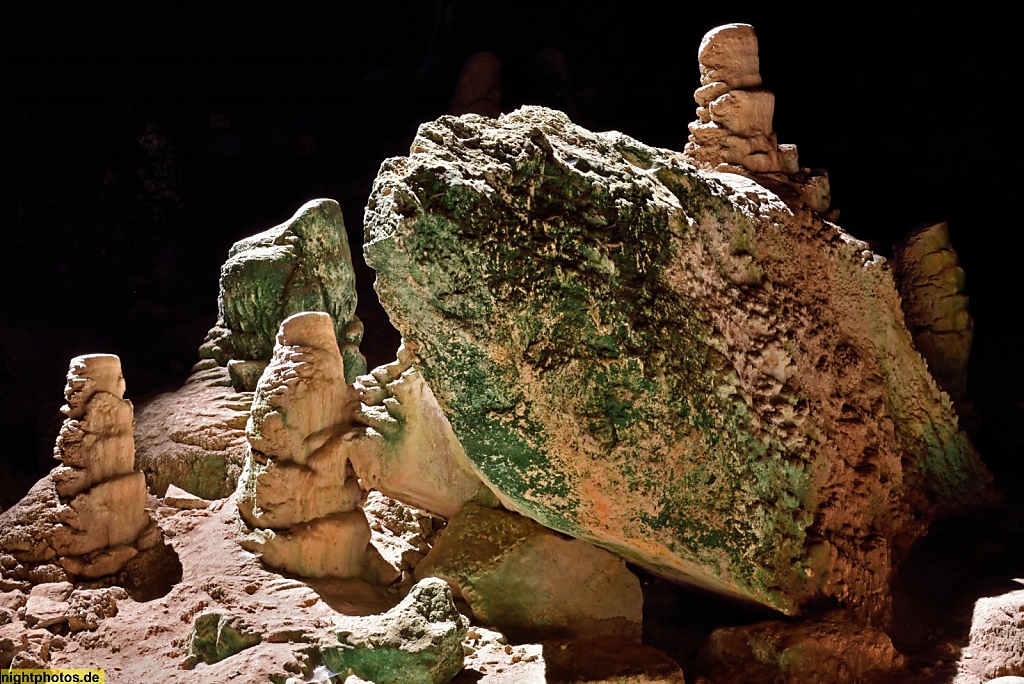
x,y
48,604
194,437
411,453
531,583
86,517
298,496
303,392
331,546
89,374
175,497
88,607
995,646
733,131
284,493
728,54
112,513
931,285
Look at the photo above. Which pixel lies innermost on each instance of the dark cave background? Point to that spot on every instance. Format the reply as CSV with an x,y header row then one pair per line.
x,y
139,141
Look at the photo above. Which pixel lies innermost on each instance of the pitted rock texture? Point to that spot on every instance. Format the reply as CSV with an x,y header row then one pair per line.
x,y
194,437
419,641
931,285
298,495
531,583
304,264
669,363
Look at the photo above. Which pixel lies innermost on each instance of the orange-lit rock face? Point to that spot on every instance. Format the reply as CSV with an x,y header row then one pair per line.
x,y
673,364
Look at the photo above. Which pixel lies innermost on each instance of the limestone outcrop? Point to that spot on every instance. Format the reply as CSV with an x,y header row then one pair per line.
x,y
88,517
733,131
531,583
670,363
304,264
298,496
194,437
931,286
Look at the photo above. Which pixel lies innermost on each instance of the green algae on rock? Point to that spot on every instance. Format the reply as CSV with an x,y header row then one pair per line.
x,y
304,264
669,363
419,641
531,583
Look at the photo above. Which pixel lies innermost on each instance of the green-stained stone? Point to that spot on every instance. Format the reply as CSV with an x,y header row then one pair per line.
x,y
671,364
301,265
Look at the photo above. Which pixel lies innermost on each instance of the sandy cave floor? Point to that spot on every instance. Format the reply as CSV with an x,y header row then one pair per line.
x,y
148,641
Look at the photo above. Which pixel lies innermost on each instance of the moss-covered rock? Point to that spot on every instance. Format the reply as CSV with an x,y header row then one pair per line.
x,y
672,364
419,641
531,583
304,264
215,636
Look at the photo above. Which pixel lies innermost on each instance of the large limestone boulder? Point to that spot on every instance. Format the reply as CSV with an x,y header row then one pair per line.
x,y
531,583
670,363
304,264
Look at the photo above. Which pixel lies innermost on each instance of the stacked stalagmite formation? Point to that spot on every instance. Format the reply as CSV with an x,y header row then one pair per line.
x,y
298,494
304,264
104,498
931,284
88,516
733,131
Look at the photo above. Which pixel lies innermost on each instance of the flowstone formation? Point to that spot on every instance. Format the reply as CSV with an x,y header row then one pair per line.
x,y
298,496
88,518
304,264
410,452
673,364
733,131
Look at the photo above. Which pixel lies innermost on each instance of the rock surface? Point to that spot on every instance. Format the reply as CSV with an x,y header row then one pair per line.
x,y
419,641
805,653
531,583
87,517
194,437
304,264
931,286
672,364
996,642
411,453
298,495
